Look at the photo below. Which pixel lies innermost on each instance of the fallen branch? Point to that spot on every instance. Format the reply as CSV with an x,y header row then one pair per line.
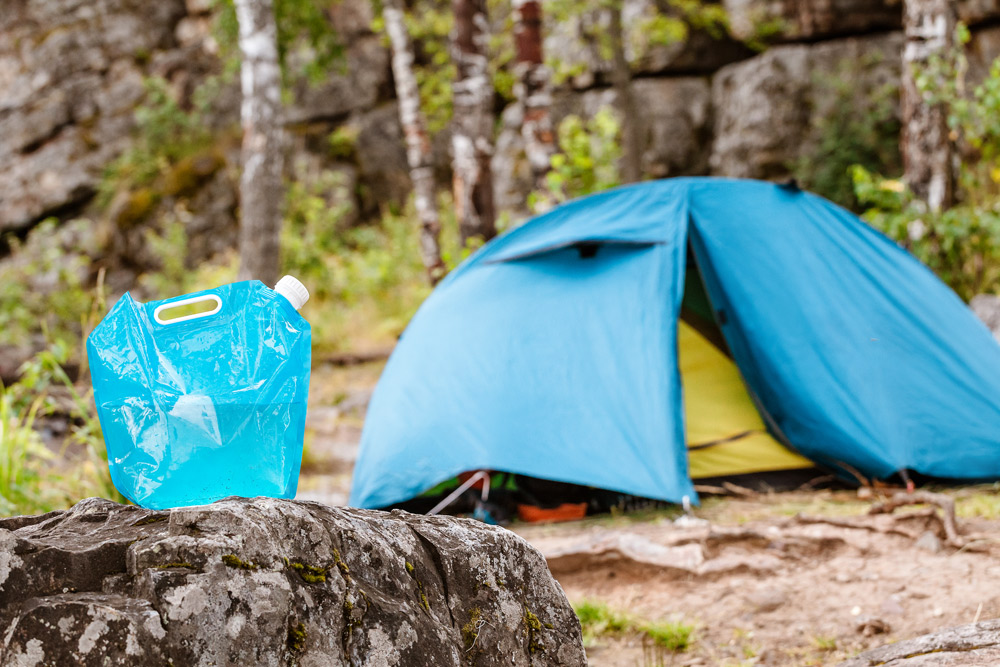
x,y
946,505
727,489
855,525
357,358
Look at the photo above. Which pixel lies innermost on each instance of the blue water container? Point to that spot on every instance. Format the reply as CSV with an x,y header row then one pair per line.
x,y
206,404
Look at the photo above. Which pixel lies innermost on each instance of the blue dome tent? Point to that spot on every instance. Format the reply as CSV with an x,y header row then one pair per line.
x,y
557,351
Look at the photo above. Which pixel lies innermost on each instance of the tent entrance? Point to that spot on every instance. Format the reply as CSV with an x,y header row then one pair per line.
x,y
725,433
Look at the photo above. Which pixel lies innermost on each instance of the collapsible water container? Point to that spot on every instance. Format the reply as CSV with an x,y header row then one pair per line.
x,y
202,405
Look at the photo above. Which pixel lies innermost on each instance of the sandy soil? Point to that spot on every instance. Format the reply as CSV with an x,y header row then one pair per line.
x,y
760,583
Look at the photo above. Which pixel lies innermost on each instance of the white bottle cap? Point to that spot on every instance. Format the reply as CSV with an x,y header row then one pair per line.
x,y
293,290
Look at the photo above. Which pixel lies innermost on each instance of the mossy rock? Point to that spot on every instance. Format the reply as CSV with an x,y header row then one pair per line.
x,y
134,207
188,175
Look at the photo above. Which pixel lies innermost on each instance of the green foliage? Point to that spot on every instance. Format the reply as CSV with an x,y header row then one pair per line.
x,y
31,482
429,24
304,30
961,244
42,286
343,142
165,135
366,281
666,22
23,455
671,635
858,129
766,31
597,620
588,161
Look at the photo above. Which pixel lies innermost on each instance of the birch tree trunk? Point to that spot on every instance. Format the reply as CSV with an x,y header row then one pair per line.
x,y
928,152
472,138
533,91
261,188
621,80
418,144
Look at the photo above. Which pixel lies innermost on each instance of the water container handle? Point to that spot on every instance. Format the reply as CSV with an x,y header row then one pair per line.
x,y
184,302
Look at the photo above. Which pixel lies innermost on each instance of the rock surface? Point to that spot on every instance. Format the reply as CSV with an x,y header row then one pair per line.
x,y
265,581
71,72
768,109
790,20
973,645
987,308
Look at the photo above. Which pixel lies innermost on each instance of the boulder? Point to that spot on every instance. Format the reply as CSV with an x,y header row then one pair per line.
x,y
973,645
275,582
769,109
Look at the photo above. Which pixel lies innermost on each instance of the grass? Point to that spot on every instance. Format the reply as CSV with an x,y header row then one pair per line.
x,y
34,478
825,644
599,620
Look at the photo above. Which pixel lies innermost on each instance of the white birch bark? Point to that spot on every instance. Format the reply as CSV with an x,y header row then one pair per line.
x,y
928,152
261,188
418,144
472,138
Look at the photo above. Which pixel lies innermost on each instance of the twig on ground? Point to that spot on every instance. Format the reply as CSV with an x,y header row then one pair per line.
x,y
727,489
946,504
856,525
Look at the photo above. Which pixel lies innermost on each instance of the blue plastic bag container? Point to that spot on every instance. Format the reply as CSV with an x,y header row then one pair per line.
x,y
205,406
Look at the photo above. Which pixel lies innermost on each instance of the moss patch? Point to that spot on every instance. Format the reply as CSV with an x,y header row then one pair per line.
x,y
136,207
178,564
156,518
297,638
232,560
309,573
470,631
534,627
340,563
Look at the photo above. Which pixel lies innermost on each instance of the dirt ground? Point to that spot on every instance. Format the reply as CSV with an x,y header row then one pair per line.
x,y
800,578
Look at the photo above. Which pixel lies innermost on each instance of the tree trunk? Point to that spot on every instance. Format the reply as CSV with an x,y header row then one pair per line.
x,y
533,91
927,150
261,188
621,80
472,138
418,144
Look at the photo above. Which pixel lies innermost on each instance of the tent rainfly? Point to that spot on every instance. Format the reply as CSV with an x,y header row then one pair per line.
x,y
639,338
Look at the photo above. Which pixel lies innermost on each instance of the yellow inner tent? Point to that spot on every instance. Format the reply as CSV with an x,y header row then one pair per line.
x,y
725,433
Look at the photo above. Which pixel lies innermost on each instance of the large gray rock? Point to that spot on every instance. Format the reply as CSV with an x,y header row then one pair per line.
x,y
71,75
768,109
381,152
798,20
675,127
275,582
973,645
577,45
354,85
674,116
